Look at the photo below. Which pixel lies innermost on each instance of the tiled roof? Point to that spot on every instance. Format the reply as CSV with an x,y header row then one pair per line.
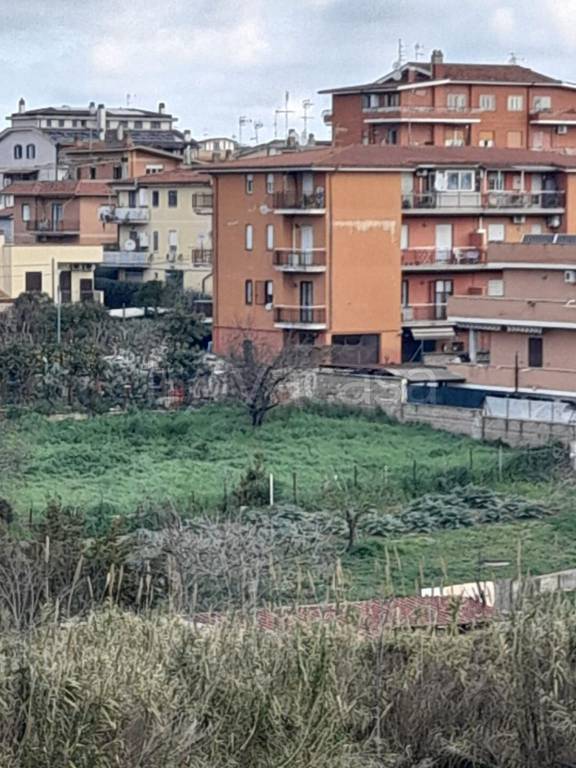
x,y
58,189
372,616
176,176
86,112
153,138
389,157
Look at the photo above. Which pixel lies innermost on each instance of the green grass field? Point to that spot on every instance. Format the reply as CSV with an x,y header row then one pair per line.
x,y
111,465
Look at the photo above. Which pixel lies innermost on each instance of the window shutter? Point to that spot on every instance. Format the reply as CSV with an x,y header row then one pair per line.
x,y
260,292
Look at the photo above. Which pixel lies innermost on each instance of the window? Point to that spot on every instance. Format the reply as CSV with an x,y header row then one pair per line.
x,y
535,352
138,124
460,181
270,183
117,172
486,139
132,199
487,102
155,240
495,181
456,101
405,293
370,100
514,139
249,237
173,241
172,198
155,198
269,292
496,233
92,172
392,136
495,288
270,237
18,152
48,123
33,282
25,212
515,103
30,151
390,99
155,125
248,292
542,103
249,183
61,123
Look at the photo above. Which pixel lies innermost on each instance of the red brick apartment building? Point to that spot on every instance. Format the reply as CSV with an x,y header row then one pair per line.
x,y
361,247
438,103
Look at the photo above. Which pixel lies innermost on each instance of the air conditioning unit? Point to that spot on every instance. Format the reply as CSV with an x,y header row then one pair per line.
x,y
422,172
87,267
570,276
519,219
561,129
553,222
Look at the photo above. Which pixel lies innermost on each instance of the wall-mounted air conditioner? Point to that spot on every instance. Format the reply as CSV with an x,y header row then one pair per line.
x,y
519,219
561,129
553,221
570,276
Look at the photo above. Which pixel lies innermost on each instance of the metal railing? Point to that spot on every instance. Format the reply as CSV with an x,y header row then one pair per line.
x,y
203,201
125,258
201,257
294,260
299,201
483,200
414,257
419,312
49,226
300,315
130,214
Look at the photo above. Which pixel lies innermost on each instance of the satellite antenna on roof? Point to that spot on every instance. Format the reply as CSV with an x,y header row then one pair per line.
x,y
129,97
401,54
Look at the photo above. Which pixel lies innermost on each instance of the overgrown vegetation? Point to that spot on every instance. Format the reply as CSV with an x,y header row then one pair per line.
x,y
118,689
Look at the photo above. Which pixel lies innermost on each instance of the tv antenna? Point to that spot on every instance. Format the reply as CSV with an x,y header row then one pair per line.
x,y
257,125
514,58
286,112
401,54
418,52
129,97
306,105
242,121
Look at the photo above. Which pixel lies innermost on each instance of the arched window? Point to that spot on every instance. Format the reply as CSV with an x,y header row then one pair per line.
x,y
18,151
31,151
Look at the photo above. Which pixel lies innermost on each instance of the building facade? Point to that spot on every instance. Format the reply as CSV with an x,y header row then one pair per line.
x,y
438,103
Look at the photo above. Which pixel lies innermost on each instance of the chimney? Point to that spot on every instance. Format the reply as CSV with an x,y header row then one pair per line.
x,y
292,140
437,61
101,121
22,105
92,107
161,107
311,140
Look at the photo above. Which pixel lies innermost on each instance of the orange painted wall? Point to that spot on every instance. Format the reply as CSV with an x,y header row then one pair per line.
x,y
365,257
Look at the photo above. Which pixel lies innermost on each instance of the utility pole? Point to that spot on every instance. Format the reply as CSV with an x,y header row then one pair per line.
x,y
242,121
257,125
306,104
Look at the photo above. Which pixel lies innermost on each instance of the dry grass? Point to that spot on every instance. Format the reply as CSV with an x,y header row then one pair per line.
x,y
154,692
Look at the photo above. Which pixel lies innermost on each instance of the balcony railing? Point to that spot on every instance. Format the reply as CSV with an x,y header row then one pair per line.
x,y
496,200
53,227
300,317
203,202
300,261
126,258
201,257
415,313
299,201
416,257
131,215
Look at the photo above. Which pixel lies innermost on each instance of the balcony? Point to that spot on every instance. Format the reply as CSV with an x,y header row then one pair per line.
x,y
510,313
53,228
438,259
130,215
201,257
126,259
510,203
300,261
300,202
508,377
415,314
203,203
305,318
422,114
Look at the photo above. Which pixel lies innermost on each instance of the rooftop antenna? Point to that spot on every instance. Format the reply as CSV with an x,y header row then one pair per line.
x,y
418,52
286,112
257,125
242,121
401,54
514,58
306,104
129,97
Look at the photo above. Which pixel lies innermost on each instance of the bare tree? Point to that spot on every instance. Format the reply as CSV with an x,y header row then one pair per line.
x,y
259,376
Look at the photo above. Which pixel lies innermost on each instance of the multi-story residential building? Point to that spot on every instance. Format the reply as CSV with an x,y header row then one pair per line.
x,y
115,160
362,245
211,150
522,336
439,103
164,229
63,272
64,212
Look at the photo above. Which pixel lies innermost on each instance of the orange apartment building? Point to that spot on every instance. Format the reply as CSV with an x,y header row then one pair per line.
x,y
438,103
122,159
64,212
521,340
361,247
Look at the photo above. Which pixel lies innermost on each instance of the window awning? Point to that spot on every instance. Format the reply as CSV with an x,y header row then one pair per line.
x,y
432,332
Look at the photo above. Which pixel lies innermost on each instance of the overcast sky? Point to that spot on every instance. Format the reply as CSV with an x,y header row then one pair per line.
x,y
214,60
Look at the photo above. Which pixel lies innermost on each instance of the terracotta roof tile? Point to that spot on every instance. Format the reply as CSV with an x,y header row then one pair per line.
x,y
58,189
372,616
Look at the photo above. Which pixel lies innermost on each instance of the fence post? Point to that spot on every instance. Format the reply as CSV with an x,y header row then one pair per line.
x,y
295,487
271,490
500,461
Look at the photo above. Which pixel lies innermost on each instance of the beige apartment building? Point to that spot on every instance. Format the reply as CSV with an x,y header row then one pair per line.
x,y
164,229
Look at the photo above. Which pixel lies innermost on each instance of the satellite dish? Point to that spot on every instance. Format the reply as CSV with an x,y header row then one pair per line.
x,y
129,245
